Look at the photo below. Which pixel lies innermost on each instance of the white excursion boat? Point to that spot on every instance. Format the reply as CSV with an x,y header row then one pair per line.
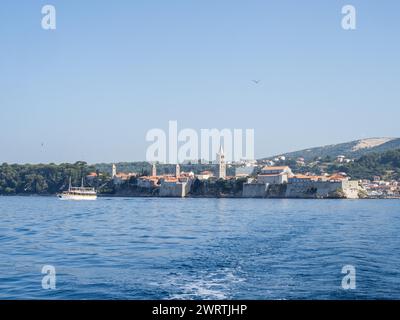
x,y
78,193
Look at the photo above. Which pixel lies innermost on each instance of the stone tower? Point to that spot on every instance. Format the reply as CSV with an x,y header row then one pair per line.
x,y
114,170
177,171
153,170
221,171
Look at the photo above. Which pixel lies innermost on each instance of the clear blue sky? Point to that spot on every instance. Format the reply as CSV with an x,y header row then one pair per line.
x,y
112,70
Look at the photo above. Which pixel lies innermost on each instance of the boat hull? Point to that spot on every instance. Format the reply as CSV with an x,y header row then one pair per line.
x,y
77,197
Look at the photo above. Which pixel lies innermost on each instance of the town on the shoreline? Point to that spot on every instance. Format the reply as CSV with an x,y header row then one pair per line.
x,y
251,179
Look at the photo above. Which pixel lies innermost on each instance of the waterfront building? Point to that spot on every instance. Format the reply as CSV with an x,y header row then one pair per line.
x,y
175,187
275,174
186,175
147,182
204,175
338,177
306,177
122,177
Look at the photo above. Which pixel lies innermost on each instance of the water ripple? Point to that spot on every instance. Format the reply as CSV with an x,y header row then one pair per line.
x,y
117,248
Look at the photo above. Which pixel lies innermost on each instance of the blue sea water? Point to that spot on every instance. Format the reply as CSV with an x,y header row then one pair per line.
x,y
152,248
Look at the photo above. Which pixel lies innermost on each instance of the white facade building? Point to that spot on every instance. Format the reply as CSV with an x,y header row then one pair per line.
x,y
274,175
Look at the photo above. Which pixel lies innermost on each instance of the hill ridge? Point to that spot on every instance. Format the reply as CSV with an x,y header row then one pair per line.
x,y
351,149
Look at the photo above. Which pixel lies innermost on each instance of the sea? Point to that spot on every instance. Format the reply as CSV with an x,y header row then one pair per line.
x,y
167,248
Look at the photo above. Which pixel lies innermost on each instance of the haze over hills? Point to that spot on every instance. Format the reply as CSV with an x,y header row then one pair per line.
x,y
352,149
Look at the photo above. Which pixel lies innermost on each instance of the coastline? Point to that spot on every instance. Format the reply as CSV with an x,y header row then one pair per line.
x,y
201,197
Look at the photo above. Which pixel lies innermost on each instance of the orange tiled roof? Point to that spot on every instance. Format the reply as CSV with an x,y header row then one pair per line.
x,y
337,177
275,168
154,178
308,177
125,175
301,176
270,175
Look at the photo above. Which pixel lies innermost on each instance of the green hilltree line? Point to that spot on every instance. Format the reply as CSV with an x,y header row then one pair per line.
x,y
385,164
40,178
53,178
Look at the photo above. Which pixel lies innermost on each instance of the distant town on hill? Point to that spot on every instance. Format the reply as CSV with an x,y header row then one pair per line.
x,y
374,159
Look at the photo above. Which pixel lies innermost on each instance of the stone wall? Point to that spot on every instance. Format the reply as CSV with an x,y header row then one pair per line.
x,y
255,190
322,189
277,190
272,179
174,189
351,189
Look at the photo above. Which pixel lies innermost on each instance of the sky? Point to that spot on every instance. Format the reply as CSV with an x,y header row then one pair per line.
x,y
111,71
